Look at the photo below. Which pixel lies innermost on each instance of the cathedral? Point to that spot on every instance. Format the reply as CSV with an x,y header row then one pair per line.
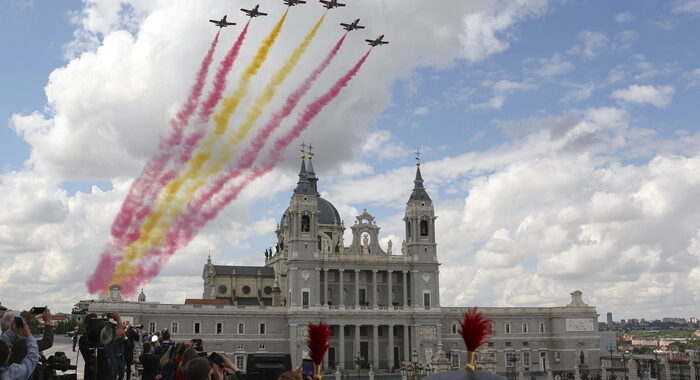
x,y
383,306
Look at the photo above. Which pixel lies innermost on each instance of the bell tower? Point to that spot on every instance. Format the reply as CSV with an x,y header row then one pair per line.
x,y
302,235
419,221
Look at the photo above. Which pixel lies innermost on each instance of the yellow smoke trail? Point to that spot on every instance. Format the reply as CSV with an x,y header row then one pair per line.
x,y
156,225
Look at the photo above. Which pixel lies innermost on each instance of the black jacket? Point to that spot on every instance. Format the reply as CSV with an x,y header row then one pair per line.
x,y
151,366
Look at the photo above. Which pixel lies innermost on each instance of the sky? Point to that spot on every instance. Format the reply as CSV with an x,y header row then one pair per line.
x,y
559,141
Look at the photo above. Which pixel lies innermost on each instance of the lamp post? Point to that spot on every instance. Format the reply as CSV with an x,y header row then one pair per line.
x,y
612,365
513,362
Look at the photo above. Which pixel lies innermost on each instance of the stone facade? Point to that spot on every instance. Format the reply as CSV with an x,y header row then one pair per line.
x,y
383,307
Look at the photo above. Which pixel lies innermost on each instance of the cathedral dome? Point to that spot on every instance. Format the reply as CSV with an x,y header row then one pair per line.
x,y
328,214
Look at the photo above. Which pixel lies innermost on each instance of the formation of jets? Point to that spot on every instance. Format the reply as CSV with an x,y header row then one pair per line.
x,y
329,4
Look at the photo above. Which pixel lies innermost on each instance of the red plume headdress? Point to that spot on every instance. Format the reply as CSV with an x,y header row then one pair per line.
x,y
474,329
318,345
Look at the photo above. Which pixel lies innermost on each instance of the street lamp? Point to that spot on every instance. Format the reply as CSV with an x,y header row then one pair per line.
x,y
513,362
612,365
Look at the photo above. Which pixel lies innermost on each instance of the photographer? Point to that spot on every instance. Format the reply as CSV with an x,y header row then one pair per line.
x,y
103,362
44,343
24,369
132,338
164,344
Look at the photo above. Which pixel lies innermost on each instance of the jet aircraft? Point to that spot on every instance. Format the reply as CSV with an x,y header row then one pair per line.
x,y
377,42
222,23
255,12
330,4
291,3
352,26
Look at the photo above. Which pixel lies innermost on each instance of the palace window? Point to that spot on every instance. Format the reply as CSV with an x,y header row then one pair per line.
x,y
262,329
196,328
175,328
151,327
507,328
541,327
526,358
305,223
219,328
246,289
525,328
241,328
510,359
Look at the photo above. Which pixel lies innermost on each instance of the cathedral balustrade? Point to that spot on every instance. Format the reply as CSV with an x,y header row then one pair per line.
x,y
349,258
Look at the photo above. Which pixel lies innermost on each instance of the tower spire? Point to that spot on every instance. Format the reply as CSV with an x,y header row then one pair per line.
x,y
303,186
419,193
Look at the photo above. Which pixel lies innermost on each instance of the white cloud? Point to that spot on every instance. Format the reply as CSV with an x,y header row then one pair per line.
x,y
593,43
687,6
556,65
624,17
658,96
501,89
579,92
625,39
421,111
693,78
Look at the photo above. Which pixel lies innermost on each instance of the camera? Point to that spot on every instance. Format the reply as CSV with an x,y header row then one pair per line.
x,y
137,326
197,344
19,322
38,310
59,362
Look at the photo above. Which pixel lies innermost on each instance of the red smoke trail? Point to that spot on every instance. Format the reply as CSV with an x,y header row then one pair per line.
x,y
194,218
206,109
143,185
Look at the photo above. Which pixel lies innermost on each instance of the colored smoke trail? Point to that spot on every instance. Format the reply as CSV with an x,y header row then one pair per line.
x,y
157,223
142,188
186,228
250,155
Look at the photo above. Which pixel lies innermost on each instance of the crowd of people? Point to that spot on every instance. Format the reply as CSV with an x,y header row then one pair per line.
x,y
21,354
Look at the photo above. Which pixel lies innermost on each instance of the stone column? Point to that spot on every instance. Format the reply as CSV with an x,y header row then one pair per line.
x,y
291,287
693,375
632,369
324,365
603,371
667,369
406,345
577,372
356,343
405,288
318,286
325,286
550,375
374,287
438,327
375,346
293,345
357,287
341,349
389,298
391,348
337,373
341,300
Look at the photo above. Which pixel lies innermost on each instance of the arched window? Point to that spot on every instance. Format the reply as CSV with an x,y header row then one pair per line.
x,y
423,228
305,223
408,229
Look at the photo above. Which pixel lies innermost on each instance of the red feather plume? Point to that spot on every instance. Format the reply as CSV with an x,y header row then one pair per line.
x,y
318,341
475,328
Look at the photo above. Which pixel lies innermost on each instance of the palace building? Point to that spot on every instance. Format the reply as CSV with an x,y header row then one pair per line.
x,y
383,306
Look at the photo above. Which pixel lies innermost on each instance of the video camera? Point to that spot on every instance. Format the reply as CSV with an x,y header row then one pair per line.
x,y
100,331
59,362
